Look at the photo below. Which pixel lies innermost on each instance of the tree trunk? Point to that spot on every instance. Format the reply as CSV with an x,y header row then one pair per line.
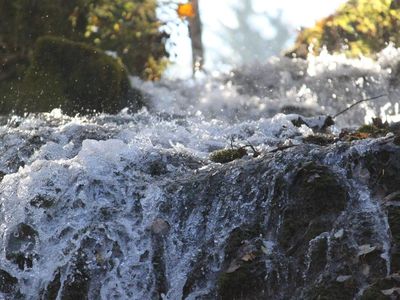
x,y
195,36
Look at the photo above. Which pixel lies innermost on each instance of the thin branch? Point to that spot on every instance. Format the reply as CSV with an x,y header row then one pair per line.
x,y
358,102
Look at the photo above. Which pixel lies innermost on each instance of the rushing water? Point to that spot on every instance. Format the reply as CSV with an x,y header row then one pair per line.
x,y
86,200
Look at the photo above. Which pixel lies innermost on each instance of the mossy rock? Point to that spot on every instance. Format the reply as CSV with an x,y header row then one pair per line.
x,y
74,77
384,167
227,155
374,291
394,224
247,279
316,198
245,283
332,291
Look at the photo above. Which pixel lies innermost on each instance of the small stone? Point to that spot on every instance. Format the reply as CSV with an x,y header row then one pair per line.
x,y
159,226
365,249
339,234
365,269
389,292
343,278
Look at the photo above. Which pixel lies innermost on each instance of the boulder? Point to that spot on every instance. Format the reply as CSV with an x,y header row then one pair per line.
x,y
76,78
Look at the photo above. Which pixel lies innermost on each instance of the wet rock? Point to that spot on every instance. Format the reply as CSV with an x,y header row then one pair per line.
x,y
244,272
394,225
42,201
383,163
53,288
76,286
383,289
317,196
332,291
157,168
8,283
21,244
159,227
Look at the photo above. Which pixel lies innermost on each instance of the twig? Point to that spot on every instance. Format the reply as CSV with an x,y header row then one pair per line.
x,y
255,152
280,148
358,102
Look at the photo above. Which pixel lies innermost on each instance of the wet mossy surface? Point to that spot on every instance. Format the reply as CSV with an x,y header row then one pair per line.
x,y
227,155
332,291
244,275
383,165
377,290
317,196
245,283
394,225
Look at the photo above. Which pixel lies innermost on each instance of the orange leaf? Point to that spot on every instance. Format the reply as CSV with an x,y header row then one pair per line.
x,y
186,10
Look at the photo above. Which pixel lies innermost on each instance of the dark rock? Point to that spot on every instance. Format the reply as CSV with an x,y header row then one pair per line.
x,y
42,201
318,197
8,283
387,288
383,164
21,244
76,286
332,291
394,225
244,269
159,227
157,168
53,288
158,262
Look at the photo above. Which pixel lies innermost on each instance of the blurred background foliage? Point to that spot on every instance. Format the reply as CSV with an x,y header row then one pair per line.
x,y
358,27
128,28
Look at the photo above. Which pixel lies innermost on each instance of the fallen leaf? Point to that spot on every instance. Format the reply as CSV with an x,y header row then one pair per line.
x,y
248,256
365,249
186,10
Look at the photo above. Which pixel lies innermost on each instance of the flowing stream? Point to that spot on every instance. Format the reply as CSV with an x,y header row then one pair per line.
x,y
129,206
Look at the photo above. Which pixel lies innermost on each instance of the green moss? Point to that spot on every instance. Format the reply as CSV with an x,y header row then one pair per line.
x,y
74,76
227,155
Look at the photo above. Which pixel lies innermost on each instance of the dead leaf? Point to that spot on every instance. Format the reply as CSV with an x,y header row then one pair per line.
x,y
249,256
186,10
365,249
